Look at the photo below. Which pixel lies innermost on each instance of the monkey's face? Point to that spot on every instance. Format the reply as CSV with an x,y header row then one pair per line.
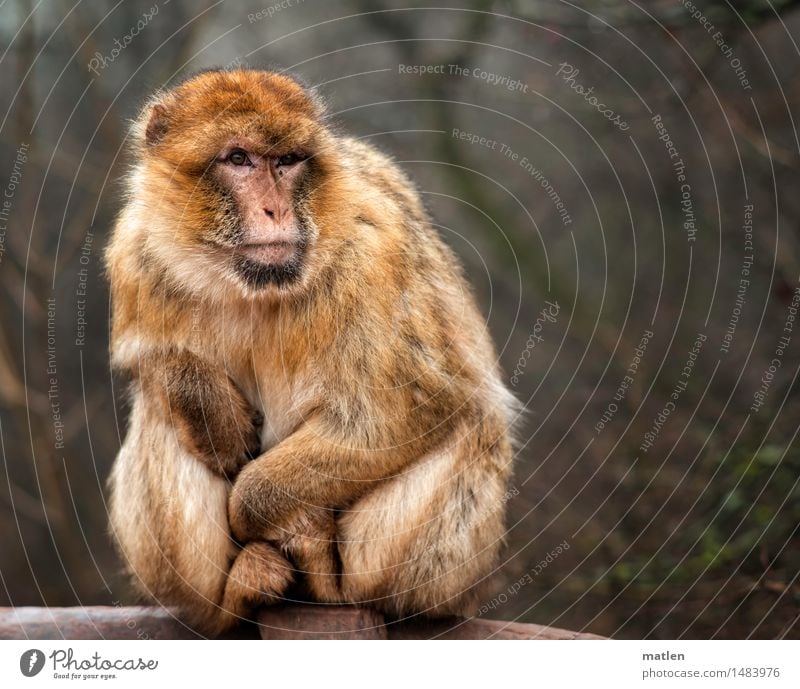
x,y
259,193
237,156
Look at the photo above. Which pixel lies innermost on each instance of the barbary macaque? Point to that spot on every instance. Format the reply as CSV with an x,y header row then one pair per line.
x,y
315,400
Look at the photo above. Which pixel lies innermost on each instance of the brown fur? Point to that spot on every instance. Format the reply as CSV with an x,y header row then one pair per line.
x,y
209,413
378,384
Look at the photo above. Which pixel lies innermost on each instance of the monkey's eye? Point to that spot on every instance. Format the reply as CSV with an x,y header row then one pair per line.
x,y
291,158
238,157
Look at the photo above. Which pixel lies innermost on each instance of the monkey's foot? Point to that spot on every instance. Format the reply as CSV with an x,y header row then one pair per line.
x,y
314,550
323,588
260,576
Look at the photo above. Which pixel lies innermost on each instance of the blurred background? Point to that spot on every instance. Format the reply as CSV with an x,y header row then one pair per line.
x,y
619,178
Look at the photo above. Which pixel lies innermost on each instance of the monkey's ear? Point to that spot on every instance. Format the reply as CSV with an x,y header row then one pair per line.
x,y
157,124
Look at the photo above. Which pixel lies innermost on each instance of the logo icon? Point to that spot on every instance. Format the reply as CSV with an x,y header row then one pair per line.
x,y
31,662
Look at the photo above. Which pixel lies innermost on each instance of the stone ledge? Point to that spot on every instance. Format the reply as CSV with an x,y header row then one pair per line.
x,y
281,622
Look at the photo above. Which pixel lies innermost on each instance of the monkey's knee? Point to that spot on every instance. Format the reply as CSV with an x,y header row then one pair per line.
x,y
406,551
434,581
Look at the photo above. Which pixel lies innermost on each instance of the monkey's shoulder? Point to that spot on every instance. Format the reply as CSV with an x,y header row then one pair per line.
x,y
379,172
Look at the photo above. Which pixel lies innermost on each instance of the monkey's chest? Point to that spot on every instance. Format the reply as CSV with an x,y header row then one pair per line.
x,y
273,383
278,400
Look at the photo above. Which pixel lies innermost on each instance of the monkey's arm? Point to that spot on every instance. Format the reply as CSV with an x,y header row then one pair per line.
x,y
303,478
210,415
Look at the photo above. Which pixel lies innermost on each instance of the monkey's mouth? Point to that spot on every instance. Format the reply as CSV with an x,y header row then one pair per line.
x,y
270,253
272,263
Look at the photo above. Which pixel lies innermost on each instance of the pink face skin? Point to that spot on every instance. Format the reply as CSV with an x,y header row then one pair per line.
x,y
263,187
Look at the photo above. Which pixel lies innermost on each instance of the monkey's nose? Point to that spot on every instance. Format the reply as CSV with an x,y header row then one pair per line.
x,y
276,215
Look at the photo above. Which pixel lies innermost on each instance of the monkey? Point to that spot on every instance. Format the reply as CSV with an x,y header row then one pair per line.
x,y
315,400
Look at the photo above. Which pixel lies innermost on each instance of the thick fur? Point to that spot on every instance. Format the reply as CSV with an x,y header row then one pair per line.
x,y
385,445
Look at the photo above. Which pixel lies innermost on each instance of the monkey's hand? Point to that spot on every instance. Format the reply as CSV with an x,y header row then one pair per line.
x,y
310,470
288,495
307,533
213,419
261,508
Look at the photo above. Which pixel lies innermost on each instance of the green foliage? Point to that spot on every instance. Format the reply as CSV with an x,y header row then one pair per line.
x,y
747,522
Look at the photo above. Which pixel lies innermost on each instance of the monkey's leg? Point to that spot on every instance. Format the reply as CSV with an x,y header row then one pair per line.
x,y
443,512
169,518
425,541
285,496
